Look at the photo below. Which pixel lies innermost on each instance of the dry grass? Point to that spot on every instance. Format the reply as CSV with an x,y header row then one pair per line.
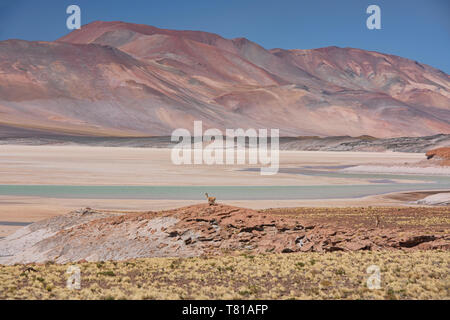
x,y
365,216
337,275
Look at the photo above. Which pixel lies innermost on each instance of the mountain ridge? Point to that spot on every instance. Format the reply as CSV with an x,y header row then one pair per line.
x,y
122,79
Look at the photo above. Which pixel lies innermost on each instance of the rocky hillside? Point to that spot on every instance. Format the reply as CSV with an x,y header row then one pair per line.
x,y
89,235
122,79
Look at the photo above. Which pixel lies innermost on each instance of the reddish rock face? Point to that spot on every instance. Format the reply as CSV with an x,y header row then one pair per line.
x,y
215,230
220,227
115,78
442,154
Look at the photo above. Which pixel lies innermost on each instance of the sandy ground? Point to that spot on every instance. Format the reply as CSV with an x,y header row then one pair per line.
x,y
81,165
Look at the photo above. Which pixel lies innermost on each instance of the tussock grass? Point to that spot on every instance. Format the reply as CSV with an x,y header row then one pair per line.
x,y
336,275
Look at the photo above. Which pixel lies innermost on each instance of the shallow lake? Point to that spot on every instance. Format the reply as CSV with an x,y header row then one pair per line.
x,y
382,183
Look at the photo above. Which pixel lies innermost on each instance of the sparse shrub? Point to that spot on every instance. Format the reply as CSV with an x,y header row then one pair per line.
x,y
325,283
340,272
390,294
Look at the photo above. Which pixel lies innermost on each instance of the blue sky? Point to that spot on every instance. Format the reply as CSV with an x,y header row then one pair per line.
x,y
415,29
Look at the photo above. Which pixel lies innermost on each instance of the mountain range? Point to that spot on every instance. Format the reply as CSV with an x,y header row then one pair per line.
x,y
125,80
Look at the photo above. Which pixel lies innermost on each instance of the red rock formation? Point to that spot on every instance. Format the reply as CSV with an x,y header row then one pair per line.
x,y
442,154
214,230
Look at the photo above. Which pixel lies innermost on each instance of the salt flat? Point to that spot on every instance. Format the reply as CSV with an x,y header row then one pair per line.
x,y
82,165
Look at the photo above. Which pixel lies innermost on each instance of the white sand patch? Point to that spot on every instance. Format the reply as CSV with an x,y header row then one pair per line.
x,y
440,171
439,199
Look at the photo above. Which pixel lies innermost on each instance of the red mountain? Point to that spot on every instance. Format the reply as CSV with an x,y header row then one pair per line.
x,y
122,79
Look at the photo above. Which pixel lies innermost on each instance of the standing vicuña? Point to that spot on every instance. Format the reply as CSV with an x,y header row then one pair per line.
x,y
211,200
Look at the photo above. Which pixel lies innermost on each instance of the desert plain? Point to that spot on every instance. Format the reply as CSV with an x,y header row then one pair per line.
x,y
177,247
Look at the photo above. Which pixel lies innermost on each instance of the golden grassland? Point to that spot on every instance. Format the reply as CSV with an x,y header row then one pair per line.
x,y
238,275
364,216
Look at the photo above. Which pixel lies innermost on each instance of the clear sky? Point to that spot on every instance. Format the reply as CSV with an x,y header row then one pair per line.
x,y
415,29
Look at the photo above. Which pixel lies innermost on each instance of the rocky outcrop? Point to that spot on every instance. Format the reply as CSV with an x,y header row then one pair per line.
x,y
198,230
342,143
365,143
440,154
443,153
33,234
